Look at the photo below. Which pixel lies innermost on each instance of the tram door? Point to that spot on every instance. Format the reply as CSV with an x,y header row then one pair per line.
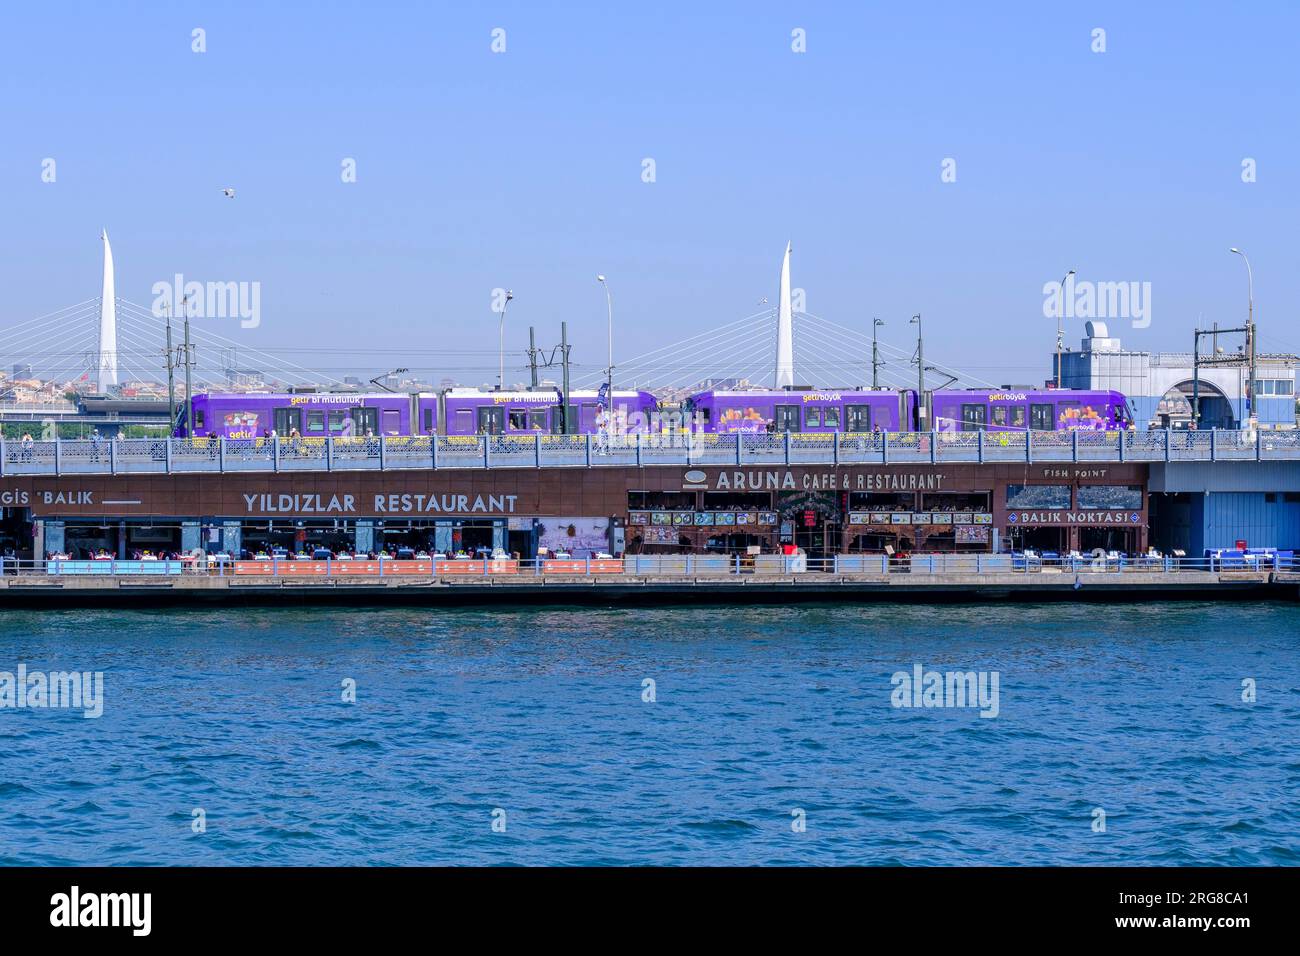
x,y
491,420
858,417
287,420
787,418
1041,417
365,421
974,417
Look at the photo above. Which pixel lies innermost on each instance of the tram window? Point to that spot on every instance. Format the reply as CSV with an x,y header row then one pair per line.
x,y
812,418
392,421
428,421
315,422
832,419
973,417
198,418
1041,417
999,415
518,419
538,419
1018,416
337,421
464,422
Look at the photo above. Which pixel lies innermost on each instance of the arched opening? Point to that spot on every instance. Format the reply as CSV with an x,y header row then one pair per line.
x,y
1174,410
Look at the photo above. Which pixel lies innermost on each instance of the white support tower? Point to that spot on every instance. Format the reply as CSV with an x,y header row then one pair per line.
x,y
784,328
107,365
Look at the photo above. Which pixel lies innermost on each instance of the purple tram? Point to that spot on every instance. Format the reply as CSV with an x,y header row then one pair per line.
x,y
1040,410
242,415
751,411
472,411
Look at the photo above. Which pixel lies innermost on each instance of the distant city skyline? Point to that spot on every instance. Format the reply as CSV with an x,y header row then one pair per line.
x,y
954,163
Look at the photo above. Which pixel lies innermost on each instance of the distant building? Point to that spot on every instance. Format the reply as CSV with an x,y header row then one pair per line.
x,y
22,370
1159,385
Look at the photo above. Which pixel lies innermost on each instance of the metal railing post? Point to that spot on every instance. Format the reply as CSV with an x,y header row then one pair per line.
x,y
383,449
1074,446
275,453
640,438
740,449
1214,444
329,452
1121,445
884,448
221,453
934,446
979,446
787,448
835,448
2,454
168,457
58,458
537,450
433,444
1029,446
487,454
112,456
587,443
1167,430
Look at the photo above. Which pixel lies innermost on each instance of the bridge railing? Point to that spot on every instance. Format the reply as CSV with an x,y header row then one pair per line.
x,y
203,455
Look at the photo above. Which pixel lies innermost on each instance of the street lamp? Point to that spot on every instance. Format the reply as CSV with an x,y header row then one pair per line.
x,y
920,374
875,353
1060,330
501,376
609,306
1250,333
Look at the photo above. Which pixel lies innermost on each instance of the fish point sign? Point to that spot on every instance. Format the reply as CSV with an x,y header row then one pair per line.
x,y
1130,518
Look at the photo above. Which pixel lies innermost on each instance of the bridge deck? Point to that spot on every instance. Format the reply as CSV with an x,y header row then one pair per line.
x,y
182,456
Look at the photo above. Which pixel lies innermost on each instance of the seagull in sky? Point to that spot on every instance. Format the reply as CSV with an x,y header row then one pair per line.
x,y
228,192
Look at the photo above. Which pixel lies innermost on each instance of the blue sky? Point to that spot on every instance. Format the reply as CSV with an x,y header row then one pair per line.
x,y
523,169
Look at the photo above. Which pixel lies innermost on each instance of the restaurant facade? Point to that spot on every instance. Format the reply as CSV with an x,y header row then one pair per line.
x,y
823,509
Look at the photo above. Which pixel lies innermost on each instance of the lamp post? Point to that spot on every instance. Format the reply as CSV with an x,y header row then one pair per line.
x,y
875,353
501,375
609,306
1250,336
1060,329
920,374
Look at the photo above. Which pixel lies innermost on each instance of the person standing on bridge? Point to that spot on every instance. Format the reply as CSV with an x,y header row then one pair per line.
x,y
28,444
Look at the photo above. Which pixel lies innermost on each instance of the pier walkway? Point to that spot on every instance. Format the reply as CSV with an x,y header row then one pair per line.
x,y
633,580
188,456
